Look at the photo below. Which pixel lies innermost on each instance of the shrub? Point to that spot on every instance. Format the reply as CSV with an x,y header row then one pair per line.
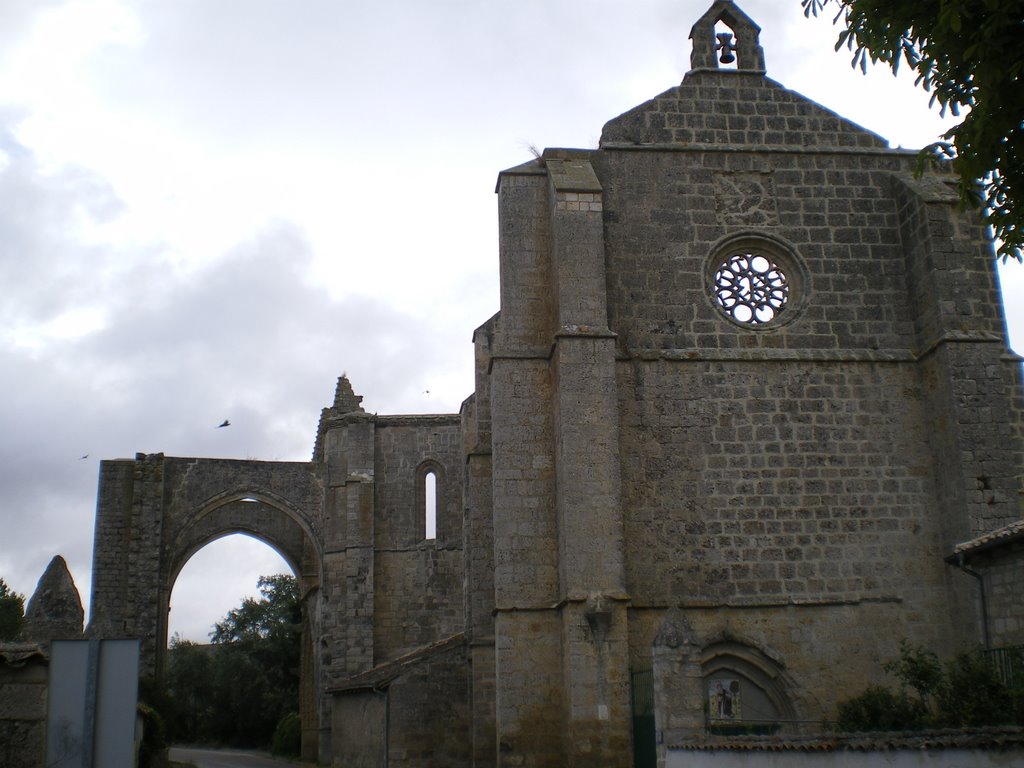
x,y
972,694
153,750
963,692
880,709
288,736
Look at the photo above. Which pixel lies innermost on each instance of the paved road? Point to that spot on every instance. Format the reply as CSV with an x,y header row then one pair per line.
x,y
226,758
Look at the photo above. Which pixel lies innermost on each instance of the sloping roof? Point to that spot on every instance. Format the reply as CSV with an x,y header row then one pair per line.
x,y
381,675
997,538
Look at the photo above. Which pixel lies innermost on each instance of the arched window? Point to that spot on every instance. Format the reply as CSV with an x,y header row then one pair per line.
x,y
430,505
429,498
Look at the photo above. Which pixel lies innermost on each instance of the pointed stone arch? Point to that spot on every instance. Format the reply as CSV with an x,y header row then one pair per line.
x,y
759,674
259,514
156,512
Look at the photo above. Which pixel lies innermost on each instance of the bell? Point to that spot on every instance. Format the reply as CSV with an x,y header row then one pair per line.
x,y
726,46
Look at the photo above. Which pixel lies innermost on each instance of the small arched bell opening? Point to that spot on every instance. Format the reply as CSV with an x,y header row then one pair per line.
x,y
725,45
726,38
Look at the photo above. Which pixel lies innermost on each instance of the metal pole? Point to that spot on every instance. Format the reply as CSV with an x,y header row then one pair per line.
x,y
92,675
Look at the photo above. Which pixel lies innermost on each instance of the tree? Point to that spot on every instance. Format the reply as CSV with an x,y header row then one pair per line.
x,y
236,690
970,55
12,612
189,678
275,617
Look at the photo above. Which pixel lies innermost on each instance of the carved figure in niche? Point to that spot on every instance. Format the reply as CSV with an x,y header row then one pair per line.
x,y
724,699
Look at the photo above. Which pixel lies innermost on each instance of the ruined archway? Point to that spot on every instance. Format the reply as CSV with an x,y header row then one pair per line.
x,y
155,512
269,520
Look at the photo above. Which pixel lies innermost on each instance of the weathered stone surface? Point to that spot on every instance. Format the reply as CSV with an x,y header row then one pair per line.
x,y
750,512
23,688
54,611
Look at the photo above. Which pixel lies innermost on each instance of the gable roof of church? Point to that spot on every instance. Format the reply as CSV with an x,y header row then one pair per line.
x,y
716,106
730,108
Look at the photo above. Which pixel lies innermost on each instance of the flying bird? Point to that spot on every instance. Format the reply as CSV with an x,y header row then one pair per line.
x,y
86,456
224,423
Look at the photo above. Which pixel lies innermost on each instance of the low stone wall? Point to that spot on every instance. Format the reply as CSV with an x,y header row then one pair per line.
x,y
23,685
981,748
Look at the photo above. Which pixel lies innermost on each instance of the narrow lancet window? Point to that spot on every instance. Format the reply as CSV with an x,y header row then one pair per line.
x,y
430,505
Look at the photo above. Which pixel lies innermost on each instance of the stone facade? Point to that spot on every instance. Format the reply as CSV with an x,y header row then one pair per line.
x,y
747,388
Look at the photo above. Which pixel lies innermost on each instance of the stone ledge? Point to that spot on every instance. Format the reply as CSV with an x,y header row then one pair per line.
x,y
784,355
759,149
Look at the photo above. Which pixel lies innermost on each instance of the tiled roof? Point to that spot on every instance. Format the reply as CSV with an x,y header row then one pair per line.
x,y
1005,535
381,675
966,738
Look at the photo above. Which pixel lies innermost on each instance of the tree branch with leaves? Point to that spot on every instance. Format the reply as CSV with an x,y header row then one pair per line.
x,y
969,54
12,612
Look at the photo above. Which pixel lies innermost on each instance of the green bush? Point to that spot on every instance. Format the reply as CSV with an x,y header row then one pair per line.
x,y
236,690
972,695
963,692
288,736
880,709
153,750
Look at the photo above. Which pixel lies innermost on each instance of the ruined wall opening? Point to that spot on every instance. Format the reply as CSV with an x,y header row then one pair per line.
x,y
215,579
235,686
243,714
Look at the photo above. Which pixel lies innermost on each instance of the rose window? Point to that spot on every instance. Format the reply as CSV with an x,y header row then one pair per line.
x,y
750,288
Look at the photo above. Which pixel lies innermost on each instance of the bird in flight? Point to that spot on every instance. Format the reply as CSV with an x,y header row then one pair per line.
x,y
86,456
224,423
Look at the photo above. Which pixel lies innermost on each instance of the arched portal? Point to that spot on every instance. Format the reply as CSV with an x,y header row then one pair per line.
x,y
270,521
155,512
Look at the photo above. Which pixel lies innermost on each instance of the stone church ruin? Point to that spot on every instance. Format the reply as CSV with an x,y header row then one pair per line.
x,y
745,416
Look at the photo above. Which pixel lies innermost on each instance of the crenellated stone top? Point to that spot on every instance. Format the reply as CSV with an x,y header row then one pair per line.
x,y
346,406
345,398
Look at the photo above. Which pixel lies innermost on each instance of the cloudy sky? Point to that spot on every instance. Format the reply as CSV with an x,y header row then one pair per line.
x,y
209,209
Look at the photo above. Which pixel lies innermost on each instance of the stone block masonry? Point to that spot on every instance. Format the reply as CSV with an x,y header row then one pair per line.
x,y
744,417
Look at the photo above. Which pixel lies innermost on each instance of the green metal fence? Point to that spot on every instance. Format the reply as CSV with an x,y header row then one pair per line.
x,y
645,750
1008,663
